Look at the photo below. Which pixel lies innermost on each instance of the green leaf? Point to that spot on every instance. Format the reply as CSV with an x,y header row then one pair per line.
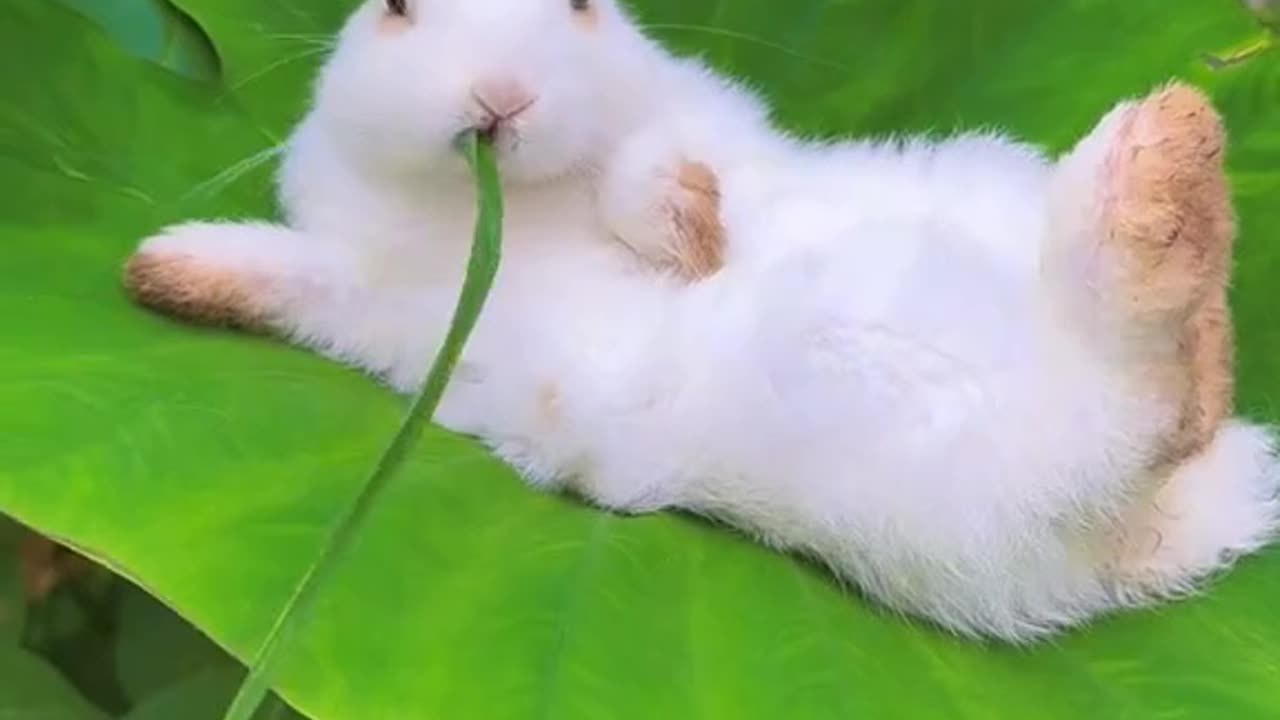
x,y
210,466
155,30
31,690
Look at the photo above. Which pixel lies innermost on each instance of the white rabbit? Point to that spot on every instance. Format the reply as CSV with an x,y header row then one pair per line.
x,y
990,389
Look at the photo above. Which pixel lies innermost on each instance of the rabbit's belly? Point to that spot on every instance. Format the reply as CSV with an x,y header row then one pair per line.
x,y
874,452
840,394
903,307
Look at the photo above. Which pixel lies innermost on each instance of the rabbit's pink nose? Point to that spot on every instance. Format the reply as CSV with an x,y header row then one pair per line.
x,y
502,99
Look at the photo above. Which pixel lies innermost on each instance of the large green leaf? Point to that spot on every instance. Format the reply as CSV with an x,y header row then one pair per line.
x,y
207,465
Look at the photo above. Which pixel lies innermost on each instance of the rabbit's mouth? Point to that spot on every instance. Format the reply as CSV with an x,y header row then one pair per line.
x,y
530,152
502,137
498,131
498,110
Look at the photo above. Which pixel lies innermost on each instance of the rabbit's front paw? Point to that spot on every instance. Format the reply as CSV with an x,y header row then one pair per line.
x,y
666,209
186,272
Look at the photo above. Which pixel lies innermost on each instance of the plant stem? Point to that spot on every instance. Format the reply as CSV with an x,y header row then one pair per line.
x,y
482,267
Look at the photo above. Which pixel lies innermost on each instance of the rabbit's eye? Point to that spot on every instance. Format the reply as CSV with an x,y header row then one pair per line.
x,y
580,5
398,7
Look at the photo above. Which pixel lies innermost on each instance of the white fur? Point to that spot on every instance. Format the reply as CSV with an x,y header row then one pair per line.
x,y
882,376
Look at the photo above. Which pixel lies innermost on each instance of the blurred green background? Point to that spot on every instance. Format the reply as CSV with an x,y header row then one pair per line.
x,y
204,466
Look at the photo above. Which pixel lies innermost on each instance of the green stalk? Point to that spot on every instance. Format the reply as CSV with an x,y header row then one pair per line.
x,y
486,251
